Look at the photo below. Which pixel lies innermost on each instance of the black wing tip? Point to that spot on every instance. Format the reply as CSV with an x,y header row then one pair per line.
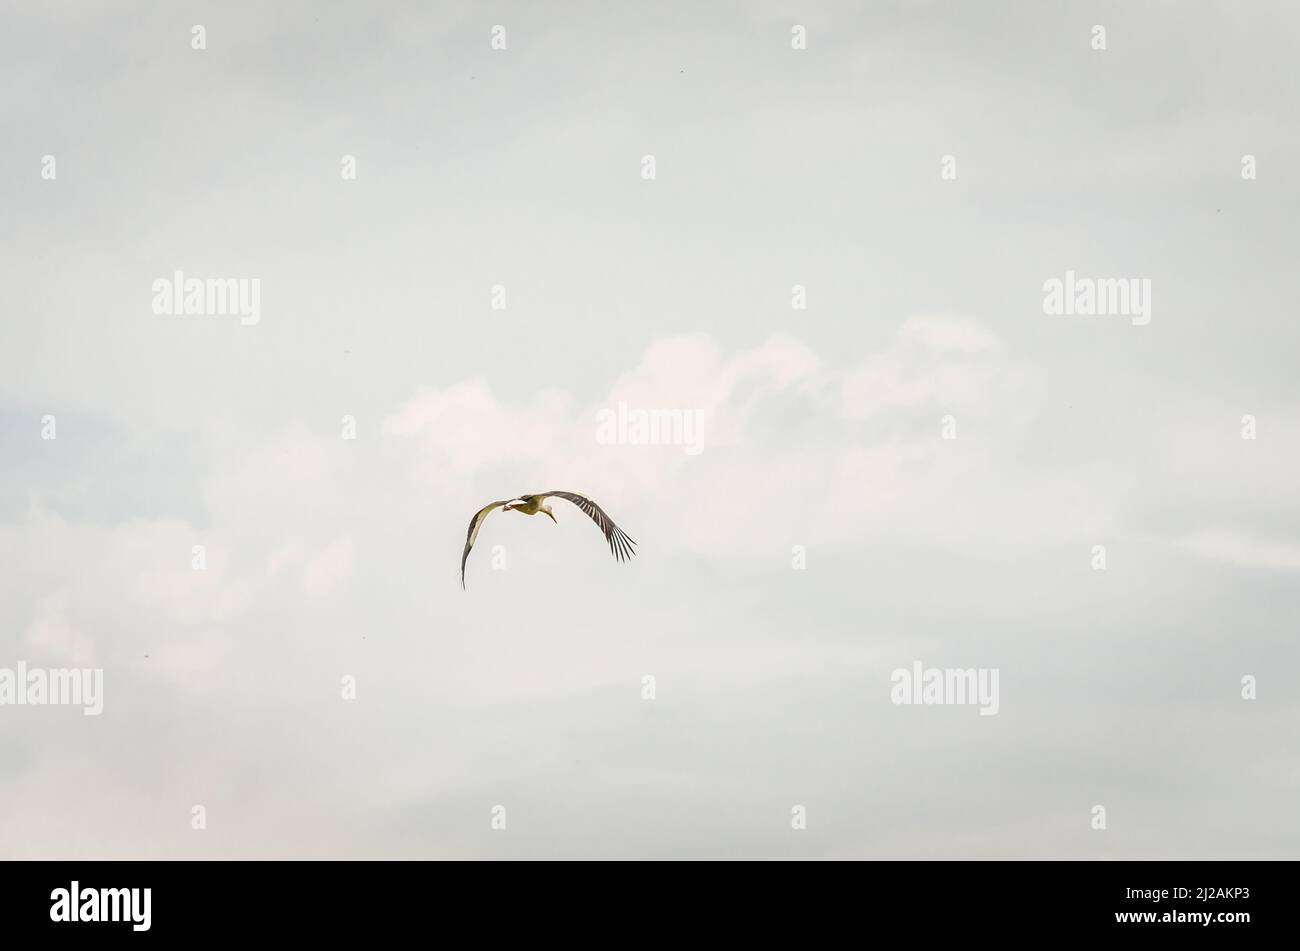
x,y
620,545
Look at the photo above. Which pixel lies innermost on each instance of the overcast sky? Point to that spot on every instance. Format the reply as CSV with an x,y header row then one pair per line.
x,y
826,535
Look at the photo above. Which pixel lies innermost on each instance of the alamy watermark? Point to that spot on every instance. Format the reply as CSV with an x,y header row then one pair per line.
x,y
77,903
633,426
38,686
1098,297
941,686
181,296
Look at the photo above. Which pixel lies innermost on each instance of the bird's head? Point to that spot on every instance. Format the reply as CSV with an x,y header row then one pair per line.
x,y
547,510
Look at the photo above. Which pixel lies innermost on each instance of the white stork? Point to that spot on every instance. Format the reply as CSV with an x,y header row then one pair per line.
x,y
620,545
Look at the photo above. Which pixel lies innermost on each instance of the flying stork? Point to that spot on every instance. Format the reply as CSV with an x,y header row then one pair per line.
x,y
620,546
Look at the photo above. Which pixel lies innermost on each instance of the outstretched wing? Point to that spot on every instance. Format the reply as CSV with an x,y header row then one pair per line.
x,y
620,545
474,525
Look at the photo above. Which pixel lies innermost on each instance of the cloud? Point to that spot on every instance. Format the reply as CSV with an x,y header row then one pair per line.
x,y
464,428
294,478
328,568
943,365
1237,547
320,570
54,641
859,449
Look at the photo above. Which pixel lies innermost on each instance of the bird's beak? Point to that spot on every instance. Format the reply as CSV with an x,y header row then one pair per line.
x,y
552,517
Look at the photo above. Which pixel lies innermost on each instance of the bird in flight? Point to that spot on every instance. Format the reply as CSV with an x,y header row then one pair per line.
x,y
620,545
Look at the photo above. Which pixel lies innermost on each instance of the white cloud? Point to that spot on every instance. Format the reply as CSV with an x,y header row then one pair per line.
x,y
56,642
328,568
897,480
1237,547
944,365
465,428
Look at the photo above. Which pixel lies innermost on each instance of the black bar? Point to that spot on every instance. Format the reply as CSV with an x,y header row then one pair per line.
x,y
370,900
